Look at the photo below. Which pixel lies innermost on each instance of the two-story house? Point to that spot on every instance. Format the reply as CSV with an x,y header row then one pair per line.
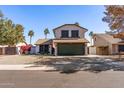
x,y
69,40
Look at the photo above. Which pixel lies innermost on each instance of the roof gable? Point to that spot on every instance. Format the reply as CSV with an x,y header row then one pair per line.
x,y
70,25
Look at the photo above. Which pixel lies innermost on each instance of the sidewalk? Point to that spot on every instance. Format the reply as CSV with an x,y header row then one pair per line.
x,y
25,67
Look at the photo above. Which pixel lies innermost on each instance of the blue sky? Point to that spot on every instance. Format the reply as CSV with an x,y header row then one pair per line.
x,y
38,18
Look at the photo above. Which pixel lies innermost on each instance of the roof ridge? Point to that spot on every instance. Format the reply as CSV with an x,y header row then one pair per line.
x,y
69,24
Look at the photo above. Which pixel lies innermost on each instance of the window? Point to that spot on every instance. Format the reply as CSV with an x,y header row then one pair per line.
x,y
121,48
64,34
75,33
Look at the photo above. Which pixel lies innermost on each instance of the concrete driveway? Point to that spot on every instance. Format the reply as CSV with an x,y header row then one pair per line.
x,y
29,59
27,72
40,79
17,59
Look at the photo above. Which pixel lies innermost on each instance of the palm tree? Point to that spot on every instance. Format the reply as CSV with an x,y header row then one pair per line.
x,y
76,23
91,35
46,31
1,14
31,34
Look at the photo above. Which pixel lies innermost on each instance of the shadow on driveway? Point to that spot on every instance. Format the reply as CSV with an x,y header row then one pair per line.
x,y
72,65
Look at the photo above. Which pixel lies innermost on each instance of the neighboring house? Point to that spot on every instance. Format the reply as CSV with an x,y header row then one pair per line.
x,y
5,50
69,40
106,44
2,49
12,50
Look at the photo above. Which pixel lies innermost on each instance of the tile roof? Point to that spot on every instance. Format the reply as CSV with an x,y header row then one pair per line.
x,y
43,41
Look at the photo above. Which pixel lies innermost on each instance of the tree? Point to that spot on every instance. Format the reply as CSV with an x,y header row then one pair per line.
x,y
10,33
19,33
91,36
13,32
31,34
1,14
114,16
76,23
115,19
2,28
46,32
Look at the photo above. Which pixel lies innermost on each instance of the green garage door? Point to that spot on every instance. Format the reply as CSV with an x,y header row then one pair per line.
x,y
71,49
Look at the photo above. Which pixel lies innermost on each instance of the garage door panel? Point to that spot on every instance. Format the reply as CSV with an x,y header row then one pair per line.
x,y
70,49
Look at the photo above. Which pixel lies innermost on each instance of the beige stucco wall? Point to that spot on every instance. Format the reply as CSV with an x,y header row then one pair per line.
x,y
92,50
110,49
69,27
86,49
115,49
98,41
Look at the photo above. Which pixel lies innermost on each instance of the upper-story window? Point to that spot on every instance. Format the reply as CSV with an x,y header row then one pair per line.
x,y
64,33
75,33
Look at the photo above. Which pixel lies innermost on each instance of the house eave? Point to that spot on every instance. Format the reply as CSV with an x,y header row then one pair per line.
x,y
70,41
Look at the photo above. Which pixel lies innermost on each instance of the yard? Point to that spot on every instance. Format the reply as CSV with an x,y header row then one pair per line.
x,y
73,71
64,64
16,59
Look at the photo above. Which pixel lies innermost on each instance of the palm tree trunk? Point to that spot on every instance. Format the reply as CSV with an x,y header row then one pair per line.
x,y
30,39
46,36
91,40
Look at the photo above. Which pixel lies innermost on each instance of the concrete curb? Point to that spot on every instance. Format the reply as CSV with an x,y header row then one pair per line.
x,y
26,67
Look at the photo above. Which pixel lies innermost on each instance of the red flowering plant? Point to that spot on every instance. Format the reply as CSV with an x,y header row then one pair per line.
x,y
25,49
